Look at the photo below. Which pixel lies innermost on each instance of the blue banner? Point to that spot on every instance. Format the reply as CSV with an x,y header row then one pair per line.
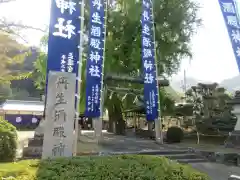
x,y
148,61
95,58
64,36
231,20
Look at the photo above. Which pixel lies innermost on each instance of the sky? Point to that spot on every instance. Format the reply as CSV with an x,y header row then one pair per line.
x,y
213,58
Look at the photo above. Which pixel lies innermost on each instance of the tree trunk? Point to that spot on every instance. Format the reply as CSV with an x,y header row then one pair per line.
x,y
115,116
110,120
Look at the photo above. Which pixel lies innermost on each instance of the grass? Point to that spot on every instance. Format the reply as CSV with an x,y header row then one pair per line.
x,y
19,169
129,167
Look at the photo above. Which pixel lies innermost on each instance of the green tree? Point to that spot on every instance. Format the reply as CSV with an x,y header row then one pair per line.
x,y
211,109
5,92
175,23
11,54
39,75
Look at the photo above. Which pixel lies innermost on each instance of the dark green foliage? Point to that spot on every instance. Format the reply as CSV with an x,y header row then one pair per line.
x,y
126,167
174,135
8,141
212,112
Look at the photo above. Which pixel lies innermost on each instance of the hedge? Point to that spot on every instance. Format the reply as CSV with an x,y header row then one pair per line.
x,y
124,167
174,134
8,141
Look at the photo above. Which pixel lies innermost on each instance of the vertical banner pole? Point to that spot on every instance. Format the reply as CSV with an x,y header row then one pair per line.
x,y
158,121
102,85
79,78
95,66
149,61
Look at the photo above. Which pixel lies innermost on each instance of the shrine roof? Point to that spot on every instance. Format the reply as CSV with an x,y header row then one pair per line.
x,y
137,109
19,105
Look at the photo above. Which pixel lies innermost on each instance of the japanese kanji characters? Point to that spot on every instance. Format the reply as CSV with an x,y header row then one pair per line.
x,y
148,79
148,60
236,36
232,21
63,63
146,42
58,131
66,5
64,31
95,55
146,16
59,117
238,51
58,149
67,62
98,4
147,53
148,65
96,31
228,8
96,18
60,99
94,71
146,30
95,43
146,4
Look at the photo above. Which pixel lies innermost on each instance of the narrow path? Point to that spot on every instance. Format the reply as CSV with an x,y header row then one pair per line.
x,y
216,171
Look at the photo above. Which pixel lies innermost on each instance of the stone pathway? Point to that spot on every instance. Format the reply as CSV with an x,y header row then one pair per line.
x,y
216,171
114,143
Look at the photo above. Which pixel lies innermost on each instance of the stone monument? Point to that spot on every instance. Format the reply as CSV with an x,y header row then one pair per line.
x,y
234,137
35,144
58,128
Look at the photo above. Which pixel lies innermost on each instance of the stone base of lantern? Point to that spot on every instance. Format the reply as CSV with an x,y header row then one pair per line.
x,y
35,144
34,148
233,140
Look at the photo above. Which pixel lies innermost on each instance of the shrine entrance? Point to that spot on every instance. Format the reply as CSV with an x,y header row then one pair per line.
x,y
128,131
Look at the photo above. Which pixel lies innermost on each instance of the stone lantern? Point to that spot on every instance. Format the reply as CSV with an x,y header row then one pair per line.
x,y
234,137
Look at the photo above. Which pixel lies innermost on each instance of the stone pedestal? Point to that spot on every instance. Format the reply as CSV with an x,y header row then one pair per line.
x,y
233,140
97,124
35,144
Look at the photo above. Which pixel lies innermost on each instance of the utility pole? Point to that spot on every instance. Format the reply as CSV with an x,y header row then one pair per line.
x,y
184,85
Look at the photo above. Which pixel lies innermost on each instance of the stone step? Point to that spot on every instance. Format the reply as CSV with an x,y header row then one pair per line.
x,y
187,161
181,156
148,152
32,152
35,142
164,152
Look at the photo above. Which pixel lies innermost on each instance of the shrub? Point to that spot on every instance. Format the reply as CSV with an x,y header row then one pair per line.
x,y
8,141
130,167
174,135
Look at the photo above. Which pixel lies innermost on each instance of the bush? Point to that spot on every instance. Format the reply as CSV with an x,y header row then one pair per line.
x,y
8,141
130,167
174,135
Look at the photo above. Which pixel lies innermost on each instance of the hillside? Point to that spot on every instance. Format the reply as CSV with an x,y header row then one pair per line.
x,y
231,84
